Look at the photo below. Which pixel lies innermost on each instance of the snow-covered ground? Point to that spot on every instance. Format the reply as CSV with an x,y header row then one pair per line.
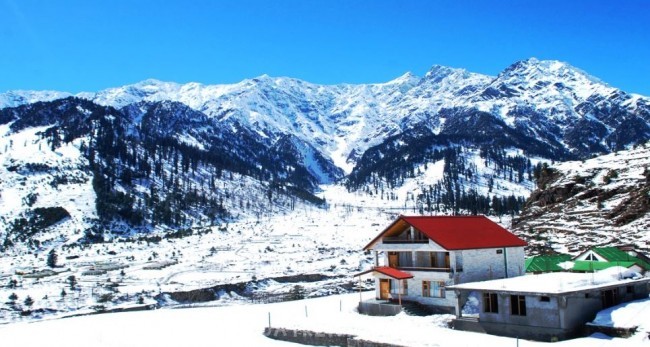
x,y
306,241
243,325
628,315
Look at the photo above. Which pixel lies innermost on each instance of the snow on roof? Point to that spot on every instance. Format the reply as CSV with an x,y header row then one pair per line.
x,y
459,232
557,282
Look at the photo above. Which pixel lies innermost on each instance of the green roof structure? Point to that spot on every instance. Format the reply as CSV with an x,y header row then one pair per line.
x,y
613,254
591,266
546,263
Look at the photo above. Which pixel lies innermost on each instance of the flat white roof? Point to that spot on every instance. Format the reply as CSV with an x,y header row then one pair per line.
x,y
557,282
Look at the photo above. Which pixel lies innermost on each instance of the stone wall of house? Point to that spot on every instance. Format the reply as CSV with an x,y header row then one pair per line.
x,y
490,263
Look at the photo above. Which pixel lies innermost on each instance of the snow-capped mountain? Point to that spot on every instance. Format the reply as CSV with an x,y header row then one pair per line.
x,y
15,98
573,112
596,202
461,142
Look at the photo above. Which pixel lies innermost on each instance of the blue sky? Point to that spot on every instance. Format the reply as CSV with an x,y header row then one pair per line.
x,y
91,45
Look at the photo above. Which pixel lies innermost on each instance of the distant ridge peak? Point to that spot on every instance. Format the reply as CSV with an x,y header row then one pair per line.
x,y
546,68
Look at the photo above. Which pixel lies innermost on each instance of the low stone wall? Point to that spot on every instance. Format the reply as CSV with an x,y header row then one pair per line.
x,y
611,331
379,309
468,324
307,337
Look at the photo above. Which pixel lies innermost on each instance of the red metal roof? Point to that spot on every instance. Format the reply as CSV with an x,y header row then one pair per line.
x,y
390,272
460,232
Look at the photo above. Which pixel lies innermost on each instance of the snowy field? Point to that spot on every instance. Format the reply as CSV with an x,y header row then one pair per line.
x,y
243,325
122,274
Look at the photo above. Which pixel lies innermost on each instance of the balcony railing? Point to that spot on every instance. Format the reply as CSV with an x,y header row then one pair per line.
x,y
402,240
418,268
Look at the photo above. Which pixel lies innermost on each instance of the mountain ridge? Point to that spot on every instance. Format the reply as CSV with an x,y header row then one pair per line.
x,y
169,155
364,114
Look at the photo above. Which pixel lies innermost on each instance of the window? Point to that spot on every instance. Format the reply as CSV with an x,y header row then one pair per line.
x,y
518,305
440,260
591,257
629,289
433,289
394,287
459,261
490,303
499,251
545,299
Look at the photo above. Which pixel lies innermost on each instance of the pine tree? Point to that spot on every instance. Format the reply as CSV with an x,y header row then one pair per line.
x,y
13,283
298,292
73,282
52,258
28,302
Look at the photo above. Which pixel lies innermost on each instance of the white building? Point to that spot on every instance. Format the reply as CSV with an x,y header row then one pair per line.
x,y
418,257
550,306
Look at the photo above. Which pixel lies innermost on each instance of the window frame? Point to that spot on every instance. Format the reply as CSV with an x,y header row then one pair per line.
x,y
518,305
434,289
490,302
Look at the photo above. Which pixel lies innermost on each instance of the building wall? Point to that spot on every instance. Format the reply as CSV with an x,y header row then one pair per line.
x,y
538,312
561,317
445,304
579,309
414,290
490,263
477,265
557,318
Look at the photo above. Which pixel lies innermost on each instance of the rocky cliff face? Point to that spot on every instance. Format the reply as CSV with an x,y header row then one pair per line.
x,y
600,201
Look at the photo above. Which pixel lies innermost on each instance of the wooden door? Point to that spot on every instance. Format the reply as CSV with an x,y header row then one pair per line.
x,y
384,289
393,259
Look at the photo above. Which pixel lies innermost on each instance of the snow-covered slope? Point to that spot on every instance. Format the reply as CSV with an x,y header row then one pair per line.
x,y
596,202
35,179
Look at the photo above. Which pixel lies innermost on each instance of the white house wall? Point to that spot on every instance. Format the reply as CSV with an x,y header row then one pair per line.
x,y
415,289
486,264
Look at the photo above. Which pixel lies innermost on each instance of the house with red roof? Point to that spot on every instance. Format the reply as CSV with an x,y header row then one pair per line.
x,y
418,257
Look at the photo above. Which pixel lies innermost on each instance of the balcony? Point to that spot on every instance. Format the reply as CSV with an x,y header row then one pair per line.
x,y
422,268
399,240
